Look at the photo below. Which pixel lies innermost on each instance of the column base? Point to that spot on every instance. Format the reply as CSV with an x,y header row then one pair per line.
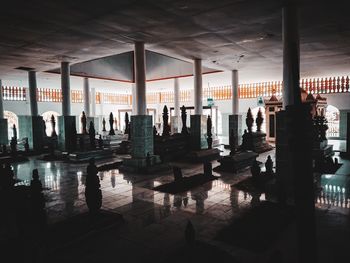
x,y
32,127
4,139
198,132
141,136
67,136
235,126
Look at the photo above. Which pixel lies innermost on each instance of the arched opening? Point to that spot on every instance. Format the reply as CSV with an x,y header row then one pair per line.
x,y
255,113
47,119
12,119
332,116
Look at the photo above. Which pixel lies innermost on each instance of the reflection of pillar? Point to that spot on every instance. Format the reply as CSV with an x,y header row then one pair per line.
x,y
198,89
86,94
65,87
32,93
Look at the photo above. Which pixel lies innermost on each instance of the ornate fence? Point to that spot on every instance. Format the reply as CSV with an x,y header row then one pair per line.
x,y
14,93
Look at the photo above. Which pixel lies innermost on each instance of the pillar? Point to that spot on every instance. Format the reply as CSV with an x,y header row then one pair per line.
x,y
3,121
1,102
235,120
291,56
33,93
294,146
235,100
65,87
198,89
133,96
86,94
140,78
93,102
176,118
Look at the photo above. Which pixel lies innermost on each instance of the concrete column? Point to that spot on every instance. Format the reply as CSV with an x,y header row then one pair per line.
x,y
235,100
1,102
86,94
134,104
32,93
176,97
291,56
65,86
140,78
93,102
198,89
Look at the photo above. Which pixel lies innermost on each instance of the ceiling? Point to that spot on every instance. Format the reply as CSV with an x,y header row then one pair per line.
x,y
226,34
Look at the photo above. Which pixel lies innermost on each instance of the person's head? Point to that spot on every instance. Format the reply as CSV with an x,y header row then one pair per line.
x,y
35,174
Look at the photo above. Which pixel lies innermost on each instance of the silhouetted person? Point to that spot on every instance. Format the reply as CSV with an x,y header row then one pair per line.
x,y
93,194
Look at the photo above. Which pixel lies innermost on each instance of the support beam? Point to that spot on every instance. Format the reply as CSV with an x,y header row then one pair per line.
x,y
93,102
134,102
65,87
33,93
291,56
3,121
176,97
198,89
140,78
86,94
235,100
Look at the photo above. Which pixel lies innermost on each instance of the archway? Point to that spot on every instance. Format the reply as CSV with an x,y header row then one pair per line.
x,y
332,116
255,113
12,119
47,119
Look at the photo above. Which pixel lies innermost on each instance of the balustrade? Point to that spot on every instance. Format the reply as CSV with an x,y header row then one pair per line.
x,y
13,93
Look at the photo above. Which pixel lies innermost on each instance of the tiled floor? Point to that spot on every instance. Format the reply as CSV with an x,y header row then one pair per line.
x,y
155,221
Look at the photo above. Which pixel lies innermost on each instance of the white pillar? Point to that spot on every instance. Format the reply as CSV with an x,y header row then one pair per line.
x,y
235,100
1,102
140,78
93,102
32,93
198,89
65,87
176,97
291,56
86,94
133,98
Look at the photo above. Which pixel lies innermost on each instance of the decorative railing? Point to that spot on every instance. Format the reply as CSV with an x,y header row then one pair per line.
x,y
153,98
14,93
49,95
113,98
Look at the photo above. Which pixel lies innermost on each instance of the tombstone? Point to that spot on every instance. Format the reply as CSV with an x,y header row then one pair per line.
x,y
269,166
26,145
177,174
127,127
166,127
111,121
100,142
103,125
259,121
209,134
184,129
83,123
249,120
208,169
93,194
92,135
190,234
37,200
255,170
53,126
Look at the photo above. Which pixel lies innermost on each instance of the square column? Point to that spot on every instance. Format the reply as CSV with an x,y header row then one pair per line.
x,y
235,126
198,130
4,132
67,136
32,127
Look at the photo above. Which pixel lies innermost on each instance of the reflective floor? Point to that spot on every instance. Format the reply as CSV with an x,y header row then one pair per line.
x,y
155,221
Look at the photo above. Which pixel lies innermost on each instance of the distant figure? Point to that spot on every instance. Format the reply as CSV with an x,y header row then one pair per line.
x,y
190,234
93,194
